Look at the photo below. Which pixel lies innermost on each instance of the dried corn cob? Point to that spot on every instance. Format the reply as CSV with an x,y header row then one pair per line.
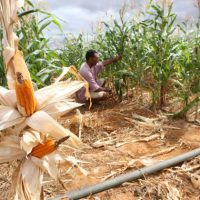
x,y
23,86
47,147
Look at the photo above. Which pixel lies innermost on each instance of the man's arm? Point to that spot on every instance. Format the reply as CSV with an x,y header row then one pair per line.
x,y
111,60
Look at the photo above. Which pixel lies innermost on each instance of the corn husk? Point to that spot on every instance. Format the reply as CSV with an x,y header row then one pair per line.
x,y
9,117
10,149
27,179
44,123
56,92
7,97
28,124
58,109
28,183
30,138
48,164
26,101
8,17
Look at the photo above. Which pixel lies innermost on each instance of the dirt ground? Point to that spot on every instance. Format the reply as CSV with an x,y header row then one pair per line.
x,y
126,136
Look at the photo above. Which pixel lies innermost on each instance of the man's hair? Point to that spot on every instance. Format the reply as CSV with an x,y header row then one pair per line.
x,y
90,54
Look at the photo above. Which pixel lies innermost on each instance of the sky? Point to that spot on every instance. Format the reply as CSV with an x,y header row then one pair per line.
x,y
82,15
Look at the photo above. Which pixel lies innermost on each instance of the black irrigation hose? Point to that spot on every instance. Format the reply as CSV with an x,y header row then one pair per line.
x,y
130,176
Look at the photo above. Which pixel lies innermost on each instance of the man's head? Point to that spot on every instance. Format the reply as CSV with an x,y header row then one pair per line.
x,y
92,57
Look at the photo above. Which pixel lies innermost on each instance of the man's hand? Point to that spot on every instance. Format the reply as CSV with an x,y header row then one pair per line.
x,y
105,90
110,61
117,58
108,90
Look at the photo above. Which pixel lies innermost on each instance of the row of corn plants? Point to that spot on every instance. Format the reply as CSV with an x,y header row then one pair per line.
x,y
160,54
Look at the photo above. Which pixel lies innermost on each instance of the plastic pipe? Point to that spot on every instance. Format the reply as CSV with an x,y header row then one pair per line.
x,y
128,177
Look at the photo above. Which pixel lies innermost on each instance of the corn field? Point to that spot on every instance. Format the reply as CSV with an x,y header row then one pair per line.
x,y
149,122
161,55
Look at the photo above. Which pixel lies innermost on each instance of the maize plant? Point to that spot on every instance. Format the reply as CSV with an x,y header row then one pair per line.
x,y
154,55
158,51
110,43
44,63
73,52
31,133
139,55
189,70
163,52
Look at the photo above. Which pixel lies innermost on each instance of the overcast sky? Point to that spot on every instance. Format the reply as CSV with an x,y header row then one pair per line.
x,y
81,15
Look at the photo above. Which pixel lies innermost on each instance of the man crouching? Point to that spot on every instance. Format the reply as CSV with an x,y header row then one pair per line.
x,y
90,70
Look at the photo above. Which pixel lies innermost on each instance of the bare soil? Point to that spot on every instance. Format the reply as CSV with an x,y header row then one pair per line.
x,y
121,142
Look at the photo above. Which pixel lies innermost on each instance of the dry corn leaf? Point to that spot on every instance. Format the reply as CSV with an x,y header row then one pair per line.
x,y
9,117
48,164
145,119
58,109
112,173
30,139
43,123
48,89
173,193
142,161
10,76
18,128
80,120
30,172
164,151
146,139
29,181
76,162
56,92
8,12
8,17
64,72
8,97
103,142
10,149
